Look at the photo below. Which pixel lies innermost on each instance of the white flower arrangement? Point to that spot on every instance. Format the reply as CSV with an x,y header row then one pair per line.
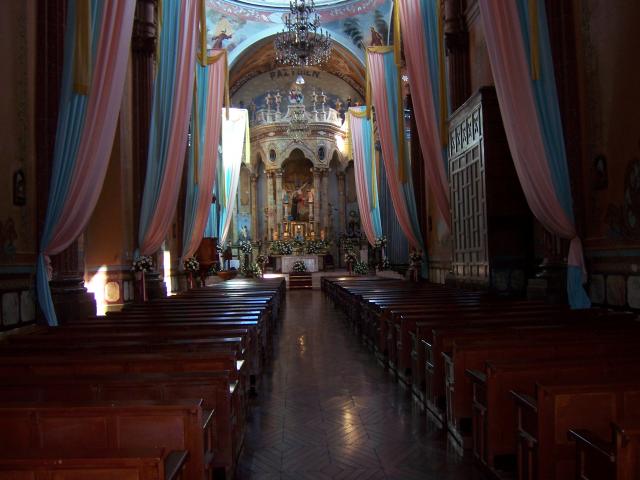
x,y
381,242
143,263
252,271
350,257
246,246
299,267
286,248
262,259
191,264
361,268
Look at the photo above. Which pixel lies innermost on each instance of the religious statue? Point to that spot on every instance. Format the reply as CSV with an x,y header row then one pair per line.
x,y
244,234
221,37
296,96
376,38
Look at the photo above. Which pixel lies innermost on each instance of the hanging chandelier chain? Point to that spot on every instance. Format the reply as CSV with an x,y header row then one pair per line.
x,y
302,42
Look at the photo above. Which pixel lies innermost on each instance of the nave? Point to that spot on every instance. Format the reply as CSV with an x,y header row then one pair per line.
x,y
327,409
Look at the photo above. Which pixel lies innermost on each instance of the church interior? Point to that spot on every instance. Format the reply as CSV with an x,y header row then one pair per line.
x,y
330,239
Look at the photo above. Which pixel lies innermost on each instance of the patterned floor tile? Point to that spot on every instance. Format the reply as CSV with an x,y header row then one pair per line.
x,y
327,410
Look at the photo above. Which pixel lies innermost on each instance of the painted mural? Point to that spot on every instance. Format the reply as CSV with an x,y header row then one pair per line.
x,y
360,22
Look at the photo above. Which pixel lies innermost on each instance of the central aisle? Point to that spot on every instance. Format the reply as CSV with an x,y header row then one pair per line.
x,y
326,410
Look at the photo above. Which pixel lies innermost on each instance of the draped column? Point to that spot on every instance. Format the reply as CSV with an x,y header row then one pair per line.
x,y
456,41
278,200
89,106
385,89
270,212
317,177
520,53
254,207
325,201
143,49
342,202
172,104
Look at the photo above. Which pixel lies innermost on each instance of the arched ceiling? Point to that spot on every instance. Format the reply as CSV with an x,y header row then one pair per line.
x,y
260,58
285,3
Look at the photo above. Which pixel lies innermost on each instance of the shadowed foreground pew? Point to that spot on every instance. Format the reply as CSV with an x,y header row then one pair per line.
x,y
614,459
195,351
117,464
115,425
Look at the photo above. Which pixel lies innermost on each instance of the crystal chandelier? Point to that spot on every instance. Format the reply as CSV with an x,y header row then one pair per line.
x,y
302,43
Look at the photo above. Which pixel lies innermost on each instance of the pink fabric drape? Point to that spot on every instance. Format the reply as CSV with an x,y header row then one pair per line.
x,y
181,112
510,67
362,190
411,20
380,102
210,155
103,108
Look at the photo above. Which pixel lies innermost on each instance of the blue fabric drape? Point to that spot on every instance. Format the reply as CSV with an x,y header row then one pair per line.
x,y
161,113
430,13
393,92
370,171
550,120
71,118
198,136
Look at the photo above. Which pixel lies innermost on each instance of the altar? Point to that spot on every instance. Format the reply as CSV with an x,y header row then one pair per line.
x,y
312,262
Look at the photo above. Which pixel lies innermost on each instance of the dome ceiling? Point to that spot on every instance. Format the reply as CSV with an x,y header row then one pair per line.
x,y
285,3
261,59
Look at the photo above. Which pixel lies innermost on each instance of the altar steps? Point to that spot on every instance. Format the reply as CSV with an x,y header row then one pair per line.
x,y
299,281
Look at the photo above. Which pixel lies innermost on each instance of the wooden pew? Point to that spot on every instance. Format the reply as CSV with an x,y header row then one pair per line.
x,y
494,419
472,355
614,459
544,451
217,391
74,426
103,464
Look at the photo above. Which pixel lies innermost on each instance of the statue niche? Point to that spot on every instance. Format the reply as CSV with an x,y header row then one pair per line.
x,y
298,187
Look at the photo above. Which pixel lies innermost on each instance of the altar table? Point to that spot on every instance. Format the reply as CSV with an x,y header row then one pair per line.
x,y
312,262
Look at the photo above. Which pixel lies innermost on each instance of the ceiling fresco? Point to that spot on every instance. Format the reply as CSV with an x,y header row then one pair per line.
x,y
260,59
356,24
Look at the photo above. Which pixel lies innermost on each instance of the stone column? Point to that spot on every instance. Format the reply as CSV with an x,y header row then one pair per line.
x,y
457,51
279,216
342,202
143,50
316,199
269,205
325,200
254,207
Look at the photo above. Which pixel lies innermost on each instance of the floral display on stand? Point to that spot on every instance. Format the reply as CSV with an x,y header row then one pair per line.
x,y
299,267
415,257
252,271
141,265
316,247
246,247
350,258
191,265
381,242
262,259
361,268
144,263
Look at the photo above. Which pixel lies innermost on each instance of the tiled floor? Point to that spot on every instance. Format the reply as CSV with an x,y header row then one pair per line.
x,y
327,410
